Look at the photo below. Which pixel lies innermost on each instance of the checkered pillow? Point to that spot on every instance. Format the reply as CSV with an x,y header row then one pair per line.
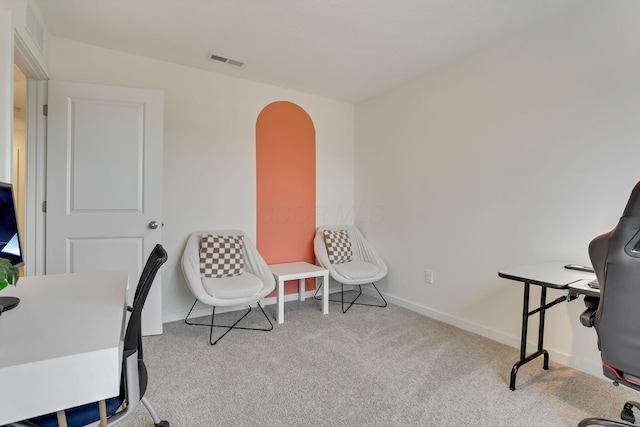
x,y
338,246
221,256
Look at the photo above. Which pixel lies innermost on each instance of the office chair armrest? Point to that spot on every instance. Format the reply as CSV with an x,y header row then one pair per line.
x,y
587,317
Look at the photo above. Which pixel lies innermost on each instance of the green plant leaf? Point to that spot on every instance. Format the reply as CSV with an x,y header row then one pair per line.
x,y
9,274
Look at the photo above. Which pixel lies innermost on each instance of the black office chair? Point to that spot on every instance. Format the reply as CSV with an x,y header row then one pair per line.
x,y
134,373
616,260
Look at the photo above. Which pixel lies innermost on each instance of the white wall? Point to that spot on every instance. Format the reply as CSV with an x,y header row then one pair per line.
x,y
520,154
209,146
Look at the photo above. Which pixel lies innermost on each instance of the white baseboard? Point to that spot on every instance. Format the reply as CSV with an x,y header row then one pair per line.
x,y
577,363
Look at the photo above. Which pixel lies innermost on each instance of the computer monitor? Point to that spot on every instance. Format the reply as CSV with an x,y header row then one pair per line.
x,y
10,247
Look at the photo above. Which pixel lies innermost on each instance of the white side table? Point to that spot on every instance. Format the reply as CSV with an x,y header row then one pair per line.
x,y
299,271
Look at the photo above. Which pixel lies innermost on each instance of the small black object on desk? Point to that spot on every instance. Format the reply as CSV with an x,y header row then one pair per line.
x,y
7,303
579,268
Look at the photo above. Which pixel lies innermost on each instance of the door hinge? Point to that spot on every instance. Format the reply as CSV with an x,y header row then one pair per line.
x,y
44,206
45,110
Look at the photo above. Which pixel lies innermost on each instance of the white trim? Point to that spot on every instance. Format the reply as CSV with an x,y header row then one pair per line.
x,y
36,186
588,367
41,178
35,191
26,60
6,94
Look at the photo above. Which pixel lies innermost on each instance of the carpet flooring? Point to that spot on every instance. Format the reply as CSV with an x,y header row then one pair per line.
x,y
368,367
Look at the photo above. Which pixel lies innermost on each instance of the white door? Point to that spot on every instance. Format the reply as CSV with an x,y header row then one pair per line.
x,y
104,183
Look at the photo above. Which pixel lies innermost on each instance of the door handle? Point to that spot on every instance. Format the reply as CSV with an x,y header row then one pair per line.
x,y
153,225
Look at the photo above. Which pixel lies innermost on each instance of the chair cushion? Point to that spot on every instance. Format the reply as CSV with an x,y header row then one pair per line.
x,y
80,415
221,256
338,246
244,285
357,270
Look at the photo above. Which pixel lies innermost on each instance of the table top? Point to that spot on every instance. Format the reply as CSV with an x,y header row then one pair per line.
x,y
550,274
296,270
62,346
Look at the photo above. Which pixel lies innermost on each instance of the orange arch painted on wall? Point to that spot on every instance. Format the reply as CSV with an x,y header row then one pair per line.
x,y
286,185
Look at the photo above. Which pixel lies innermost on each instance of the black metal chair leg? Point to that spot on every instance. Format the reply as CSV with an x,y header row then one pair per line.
x,y
381,297
384,301
318,289
626,415
384,304
352,302
602,422
212,324
229,328
627,411
186,319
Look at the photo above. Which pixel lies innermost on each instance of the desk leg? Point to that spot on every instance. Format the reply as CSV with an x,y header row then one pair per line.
x,y
543,302
102,408
523,339
302,289
525,322
280,301
325,293
62,418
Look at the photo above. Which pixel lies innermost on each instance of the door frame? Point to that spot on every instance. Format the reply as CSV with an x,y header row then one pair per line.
x,y
35,190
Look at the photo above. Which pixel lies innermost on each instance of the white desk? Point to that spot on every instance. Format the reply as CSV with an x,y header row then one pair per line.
x,y
62,346
299,271
546,275
581,287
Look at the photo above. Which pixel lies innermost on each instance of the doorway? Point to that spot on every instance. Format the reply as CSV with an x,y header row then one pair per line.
x,y
20,148
29,96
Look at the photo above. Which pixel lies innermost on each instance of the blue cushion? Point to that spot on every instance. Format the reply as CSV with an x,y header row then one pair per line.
x,y
80,415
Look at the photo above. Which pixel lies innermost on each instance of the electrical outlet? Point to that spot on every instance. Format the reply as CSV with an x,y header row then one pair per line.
x,y
428,277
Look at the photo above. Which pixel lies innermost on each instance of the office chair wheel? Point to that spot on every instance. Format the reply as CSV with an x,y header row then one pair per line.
x,y
163,423
627,413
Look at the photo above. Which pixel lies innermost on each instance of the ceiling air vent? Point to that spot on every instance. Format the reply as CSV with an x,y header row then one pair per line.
x,y
219,58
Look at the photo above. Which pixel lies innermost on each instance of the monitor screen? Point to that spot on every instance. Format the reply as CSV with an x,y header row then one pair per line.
x,y
10,247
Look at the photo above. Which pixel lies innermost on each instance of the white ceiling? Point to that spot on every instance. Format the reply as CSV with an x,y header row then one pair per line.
x,y
342,49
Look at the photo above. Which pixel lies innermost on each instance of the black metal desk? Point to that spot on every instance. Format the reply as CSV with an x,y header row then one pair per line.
x,y
546,275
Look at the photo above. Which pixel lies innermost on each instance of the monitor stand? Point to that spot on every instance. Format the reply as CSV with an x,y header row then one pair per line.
x,y
7,303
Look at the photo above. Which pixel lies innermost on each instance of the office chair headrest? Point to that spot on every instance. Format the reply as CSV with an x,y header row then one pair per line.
x,y
626,234
633,205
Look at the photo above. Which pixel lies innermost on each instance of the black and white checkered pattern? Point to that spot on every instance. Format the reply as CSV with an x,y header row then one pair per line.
x,y
338,246
221,256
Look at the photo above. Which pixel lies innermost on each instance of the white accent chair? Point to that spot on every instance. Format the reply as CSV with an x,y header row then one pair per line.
x,y
366,266
255,283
